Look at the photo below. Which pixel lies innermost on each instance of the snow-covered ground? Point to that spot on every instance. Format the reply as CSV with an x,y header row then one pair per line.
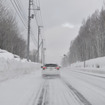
x,y
93,66
92,63
12,65
92,87
72,88
21,83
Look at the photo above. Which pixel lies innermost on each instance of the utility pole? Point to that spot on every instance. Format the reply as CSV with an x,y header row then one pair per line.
x,y
39,31
28,38
44,49
43,53
29,20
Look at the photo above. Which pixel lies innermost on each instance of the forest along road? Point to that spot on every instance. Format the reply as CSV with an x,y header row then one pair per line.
x,y
72,88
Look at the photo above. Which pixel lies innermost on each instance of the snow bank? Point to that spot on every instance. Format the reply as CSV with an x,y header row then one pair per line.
x,y
91,66
92,63
12,65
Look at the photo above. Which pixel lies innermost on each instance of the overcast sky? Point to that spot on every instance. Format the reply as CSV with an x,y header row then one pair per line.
x,y
62,20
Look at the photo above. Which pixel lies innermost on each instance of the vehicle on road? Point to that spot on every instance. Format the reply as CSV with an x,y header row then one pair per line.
x,y
50,70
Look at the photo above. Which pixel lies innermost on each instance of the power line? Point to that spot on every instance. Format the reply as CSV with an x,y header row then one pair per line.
x,y
18,14
38,17
36,14
20,5
34,9
40,12
18,8
32,35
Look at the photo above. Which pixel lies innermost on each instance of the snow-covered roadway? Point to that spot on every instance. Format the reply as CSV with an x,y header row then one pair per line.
x,y
72,88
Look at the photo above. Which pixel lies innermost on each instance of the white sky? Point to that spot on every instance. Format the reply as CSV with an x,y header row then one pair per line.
x,y
62,19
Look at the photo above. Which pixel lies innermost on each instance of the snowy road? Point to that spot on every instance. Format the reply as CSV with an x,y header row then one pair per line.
x,y
72,88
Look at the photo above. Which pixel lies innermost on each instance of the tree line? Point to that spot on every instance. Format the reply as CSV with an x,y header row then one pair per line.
x,y
10,38
90,42
10,35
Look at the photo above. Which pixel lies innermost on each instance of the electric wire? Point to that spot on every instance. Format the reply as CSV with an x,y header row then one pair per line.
x,y
17,9
18,14
24,23
34,10
40,12
38,15
20,8
24,10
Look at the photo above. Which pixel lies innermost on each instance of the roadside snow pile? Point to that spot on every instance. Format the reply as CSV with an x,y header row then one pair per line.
x,y
6,55
91,66
93,63
9,56
12,65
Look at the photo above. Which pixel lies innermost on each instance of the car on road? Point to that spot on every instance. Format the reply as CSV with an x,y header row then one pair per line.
x,y
50,70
